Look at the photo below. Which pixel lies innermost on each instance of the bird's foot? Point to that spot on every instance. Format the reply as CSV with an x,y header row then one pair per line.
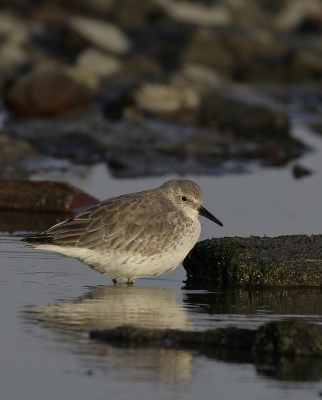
x,y
129,282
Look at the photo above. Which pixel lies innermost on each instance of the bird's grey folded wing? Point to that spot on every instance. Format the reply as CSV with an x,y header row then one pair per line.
x,y
120,226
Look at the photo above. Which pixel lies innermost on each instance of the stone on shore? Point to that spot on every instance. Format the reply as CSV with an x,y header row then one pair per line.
x,y
294,260
243,120
164,102
101,34
100,63
52,92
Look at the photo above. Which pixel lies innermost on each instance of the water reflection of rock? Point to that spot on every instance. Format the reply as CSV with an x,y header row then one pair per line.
x,y
280,368
23,221
276,301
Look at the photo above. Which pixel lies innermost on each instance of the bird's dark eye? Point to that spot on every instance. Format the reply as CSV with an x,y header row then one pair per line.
x,y
184,198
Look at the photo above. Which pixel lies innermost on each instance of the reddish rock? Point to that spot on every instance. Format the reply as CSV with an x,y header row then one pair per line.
x,y
52,92
43,196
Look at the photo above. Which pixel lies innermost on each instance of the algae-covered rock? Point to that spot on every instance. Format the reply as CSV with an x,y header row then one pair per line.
x,y
227,337
291,337
294,260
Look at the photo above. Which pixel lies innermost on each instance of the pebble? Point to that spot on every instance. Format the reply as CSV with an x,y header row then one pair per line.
x,y
52,92
101,34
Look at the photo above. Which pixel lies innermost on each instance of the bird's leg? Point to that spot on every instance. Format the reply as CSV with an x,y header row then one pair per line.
x,y
130,282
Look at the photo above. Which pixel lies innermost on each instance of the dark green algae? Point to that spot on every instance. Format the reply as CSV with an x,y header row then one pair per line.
x,y
292,260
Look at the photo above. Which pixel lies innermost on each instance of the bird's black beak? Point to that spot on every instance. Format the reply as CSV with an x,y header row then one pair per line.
x,y
207,214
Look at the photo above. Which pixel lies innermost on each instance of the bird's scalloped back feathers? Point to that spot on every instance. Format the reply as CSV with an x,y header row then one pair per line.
x,y
129,223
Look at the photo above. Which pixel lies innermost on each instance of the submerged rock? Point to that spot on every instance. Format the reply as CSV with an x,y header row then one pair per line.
x,y
294,260
289,337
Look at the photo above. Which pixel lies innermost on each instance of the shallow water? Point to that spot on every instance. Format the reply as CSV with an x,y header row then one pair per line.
x,y
49,302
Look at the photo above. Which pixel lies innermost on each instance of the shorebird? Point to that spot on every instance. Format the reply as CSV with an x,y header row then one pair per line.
x,y
134,235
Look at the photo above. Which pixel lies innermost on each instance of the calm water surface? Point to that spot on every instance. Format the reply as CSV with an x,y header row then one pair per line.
x,y
50,302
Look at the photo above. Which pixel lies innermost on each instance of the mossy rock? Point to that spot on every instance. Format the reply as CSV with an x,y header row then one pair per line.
x,y
290,337
294,260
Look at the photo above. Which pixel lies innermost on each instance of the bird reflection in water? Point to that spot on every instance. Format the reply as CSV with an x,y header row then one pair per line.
x,y
107,307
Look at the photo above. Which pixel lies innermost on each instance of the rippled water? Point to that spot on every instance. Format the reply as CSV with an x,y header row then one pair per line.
x,y
50,302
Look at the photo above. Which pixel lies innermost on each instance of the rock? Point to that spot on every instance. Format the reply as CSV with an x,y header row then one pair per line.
x,y
100,7
142,67
195,13
136,14
15,155
227,337
138,147
101,34
300,172
77,147
255,55
14,150
311,24
294,260
45,64
103,65
306,65
14,31
244,120
52,33
168,103
131,162
52,92
260,56
43,196
288,338
294,12
115,106
209,49
201,78
16,48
